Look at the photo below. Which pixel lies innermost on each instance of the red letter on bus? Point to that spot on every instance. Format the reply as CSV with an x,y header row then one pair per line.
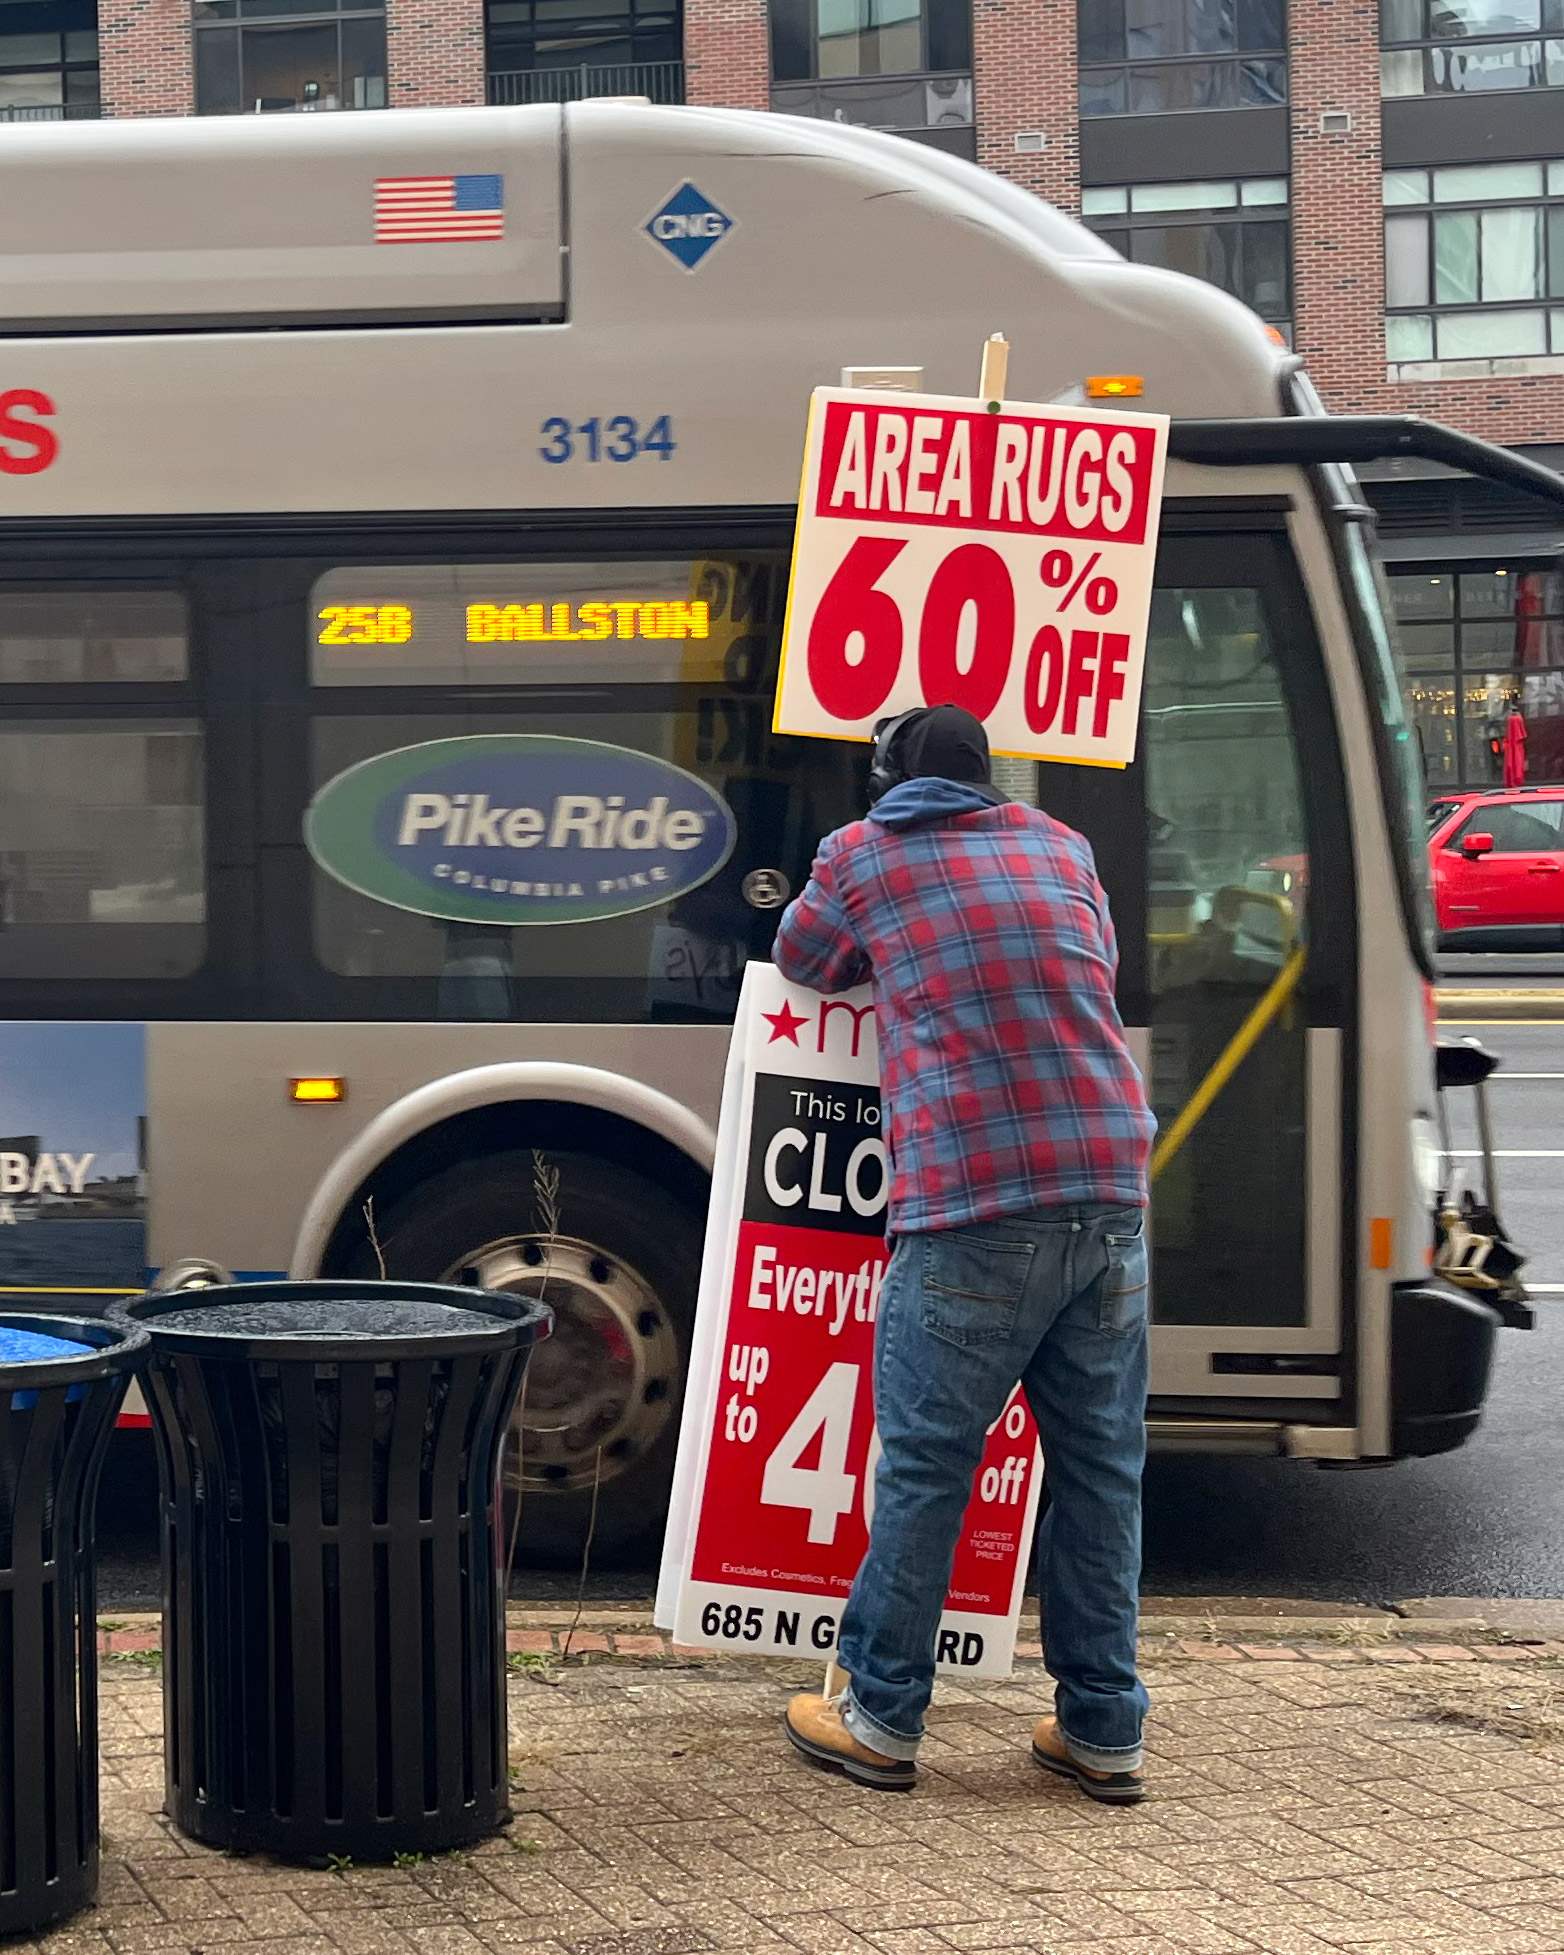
x,y
42,444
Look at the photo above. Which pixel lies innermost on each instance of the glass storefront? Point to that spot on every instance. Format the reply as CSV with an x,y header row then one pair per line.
x,y
1481,644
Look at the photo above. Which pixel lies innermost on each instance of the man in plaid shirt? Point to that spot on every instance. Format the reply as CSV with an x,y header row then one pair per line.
x,y
1019,1135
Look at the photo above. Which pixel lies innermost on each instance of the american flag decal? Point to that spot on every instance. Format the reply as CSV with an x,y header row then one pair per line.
x,y
438,209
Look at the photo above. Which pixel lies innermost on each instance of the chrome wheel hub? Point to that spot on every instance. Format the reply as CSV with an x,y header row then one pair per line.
x,y
602,1388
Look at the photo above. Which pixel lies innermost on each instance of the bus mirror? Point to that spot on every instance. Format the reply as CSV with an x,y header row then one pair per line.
x,y
1474,845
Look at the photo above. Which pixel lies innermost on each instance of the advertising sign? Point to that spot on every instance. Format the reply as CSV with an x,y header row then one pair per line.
x,y
774,1488
519,828
73,1199
997,561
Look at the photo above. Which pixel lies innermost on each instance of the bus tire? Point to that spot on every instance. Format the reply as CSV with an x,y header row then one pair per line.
x,y
599,1417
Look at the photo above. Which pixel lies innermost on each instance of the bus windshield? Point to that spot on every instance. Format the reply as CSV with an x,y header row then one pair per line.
x,y
1401,764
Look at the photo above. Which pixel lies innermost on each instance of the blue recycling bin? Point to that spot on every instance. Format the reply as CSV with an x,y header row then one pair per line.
x,y
62,1380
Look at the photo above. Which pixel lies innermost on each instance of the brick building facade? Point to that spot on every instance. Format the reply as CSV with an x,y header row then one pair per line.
x,y
1382,180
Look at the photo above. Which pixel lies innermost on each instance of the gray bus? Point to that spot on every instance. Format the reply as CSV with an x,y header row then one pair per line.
x,y
344,458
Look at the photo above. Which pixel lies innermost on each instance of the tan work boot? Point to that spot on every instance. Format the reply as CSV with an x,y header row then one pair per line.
x,y
814,1723
1109,1788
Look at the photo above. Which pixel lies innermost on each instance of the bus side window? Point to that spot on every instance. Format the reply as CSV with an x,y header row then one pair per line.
x,y
102,812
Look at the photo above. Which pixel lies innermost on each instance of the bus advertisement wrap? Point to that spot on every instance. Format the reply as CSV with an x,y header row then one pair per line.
x,y
774,1488
998,561
510,828
73,1198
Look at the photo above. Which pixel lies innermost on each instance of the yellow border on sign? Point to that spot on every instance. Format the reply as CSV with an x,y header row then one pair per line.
x,y
1058,759
792,567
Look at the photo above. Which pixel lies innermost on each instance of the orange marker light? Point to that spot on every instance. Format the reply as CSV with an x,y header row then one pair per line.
x,y
317,1091
1381,1241
1114,386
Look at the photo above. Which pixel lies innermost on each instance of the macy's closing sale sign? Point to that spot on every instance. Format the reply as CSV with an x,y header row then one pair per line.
x,y
774,1488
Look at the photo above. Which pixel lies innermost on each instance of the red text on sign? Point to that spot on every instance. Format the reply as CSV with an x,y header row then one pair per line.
x,y
856,640
26,446
1037,476
1092,669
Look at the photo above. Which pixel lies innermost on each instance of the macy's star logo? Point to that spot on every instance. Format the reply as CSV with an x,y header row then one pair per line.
x,y
784,1024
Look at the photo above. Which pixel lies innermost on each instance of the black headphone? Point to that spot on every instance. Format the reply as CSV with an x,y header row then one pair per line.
x,y
884,773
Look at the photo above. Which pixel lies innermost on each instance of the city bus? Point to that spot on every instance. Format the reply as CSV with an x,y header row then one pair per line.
x,y
394,526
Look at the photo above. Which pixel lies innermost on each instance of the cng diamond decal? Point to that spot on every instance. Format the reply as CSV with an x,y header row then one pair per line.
x,y
688,225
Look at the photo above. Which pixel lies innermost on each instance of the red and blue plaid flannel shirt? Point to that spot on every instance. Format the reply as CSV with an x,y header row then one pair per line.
x,y
1007,1082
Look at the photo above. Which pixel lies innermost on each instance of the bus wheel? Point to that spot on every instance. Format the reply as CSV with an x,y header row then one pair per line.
x,y
599,1420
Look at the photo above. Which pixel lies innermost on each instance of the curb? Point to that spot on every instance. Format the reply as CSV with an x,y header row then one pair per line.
x,y
1490,1006
544,1645
549,1636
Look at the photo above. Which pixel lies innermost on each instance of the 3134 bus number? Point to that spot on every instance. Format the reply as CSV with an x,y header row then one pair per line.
x,y
606,438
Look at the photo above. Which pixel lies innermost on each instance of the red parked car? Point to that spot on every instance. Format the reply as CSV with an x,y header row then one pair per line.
x,y
1498,862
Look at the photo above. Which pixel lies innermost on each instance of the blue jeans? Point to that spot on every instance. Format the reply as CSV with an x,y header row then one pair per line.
x,y
1056,1299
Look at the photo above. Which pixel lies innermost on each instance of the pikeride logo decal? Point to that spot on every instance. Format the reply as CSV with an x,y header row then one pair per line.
x,y
774,1485
519,828
998,561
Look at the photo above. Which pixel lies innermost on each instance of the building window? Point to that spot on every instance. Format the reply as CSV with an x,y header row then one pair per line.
x,y
1149,57
562,50
1467,47
1236,235
49,61
255,56
1479,645
1473,254
839,39
903,65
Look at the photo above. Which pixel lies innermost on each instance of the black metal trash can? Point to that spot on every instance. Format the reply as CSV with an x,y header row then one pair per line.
x,y
333,1615
61,1383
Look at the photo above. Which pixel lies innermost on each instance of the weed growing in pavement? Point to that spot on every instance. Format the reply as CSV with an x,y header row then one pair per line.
x,y
339,1863
526,1846
149,1659
1353,1632
545,1192
374,1237
406,1860
1487,1705
540,1665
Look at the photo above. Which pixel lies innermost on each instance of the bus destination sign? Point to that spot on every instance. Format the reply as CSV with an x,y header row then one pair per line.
x,y
536,623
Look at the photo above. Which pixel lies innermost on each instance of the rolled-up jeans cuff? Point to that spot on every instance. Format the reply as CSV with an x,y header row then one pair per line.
x,y
1127,1758
869,1731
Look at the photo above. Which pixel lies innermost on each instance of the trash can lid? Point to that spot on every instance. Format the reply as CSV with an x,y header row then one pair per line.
x,y
336,1317
42,1349
32,1347
324,1320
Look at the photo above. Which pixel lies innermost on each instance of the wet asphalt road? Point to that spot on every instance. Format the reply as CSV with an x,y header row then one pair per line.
x,y
1487,1520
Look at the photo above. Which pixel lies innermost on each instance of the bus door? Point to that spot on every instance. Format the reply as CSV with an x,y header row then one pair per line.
x,y
1226,852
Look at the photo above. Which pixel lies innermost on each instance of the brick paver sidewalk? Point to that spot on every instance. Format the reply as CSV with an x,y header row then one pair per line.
x,y
1352,1801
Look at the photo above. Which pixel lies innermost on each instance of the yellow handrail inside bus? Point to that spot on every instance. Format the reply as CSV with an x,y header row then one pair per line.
x,y
1237,1050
